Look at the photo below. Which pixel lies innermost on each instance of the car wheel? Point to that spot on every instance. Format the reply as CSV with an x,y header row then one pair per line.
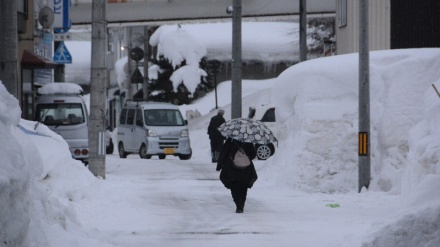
x,y
185,156
162,156
110,148
122,153
264,152
143,152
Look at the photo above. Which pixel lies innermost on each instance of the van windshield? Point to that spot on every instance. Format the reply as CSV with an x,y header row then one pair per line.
x,y
60,114
163,117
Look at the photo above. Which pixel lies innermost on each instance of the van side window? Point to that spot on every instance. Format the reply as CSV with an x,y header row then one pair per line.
x,y
123,117
139,121
130,116
269,116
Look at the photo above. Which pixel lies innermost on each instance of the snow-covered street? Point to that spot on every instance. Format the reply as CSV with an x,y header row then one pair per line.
x,y
182,203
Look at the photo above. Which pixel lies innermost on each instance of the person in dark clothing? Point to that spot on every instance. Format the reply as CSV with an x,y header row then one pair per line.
x,y
215,136
238,180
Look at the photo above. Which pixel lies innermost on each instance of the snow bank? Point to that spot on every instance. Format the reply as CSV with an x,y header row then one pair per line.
x,y
14,176
68,182
317,103
417,223
30,216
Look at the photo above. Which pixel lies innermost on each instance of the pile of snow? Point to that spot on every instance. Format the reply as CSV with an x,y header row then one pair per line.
x,y
417,224
60,88
38,181
14,176
317,114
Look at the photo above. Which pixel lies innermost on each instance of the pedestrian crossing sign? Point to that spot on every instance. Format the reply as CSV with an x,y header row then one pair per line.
x,y
62,55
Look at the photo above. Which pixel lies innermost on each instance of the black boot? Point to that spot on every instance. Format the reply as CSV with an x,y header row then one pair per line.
x,y
240,206
239,192
213,158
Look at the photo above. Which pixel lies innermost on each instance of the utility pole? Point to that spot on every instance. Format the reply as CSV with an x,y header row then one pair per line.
x,y
236,60
98,89
146,60
364,98
302,30
9,46
130,66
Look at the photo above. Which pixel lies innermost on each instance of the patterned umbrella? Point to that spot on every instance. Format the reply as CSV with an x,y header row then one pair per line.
x,y
247,130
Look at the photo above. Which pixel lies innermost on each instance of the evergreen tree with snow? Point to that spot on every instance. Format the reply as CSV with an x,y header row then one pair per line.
x,y
180,78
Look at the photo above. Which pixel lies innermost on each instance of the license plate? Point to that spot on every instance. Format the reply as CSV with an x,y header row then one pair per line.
x,y
168,150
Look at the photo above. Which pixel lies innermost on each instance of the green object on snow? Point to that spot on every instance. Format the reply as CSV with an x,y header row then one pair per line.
x,y
333,205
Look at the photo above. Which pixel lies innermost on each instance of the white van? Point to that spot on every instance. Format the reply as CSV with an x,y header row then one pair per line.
x,y
60,107
153,128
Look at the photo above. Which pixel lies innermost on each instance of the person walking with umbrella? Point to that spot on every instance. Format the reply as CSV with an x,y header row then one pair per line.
x,y
237,179
235,161
215,137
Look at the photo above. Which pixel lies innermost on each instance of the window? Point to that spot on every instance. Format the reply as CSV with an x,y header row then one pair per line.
x,y
163,117
342,13
139,121
130,116
22,7
123,117
22,15
60,114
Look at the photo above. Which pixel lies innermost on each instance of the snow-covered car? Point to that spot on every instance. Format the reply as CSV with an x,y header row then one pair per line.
x,y
266,114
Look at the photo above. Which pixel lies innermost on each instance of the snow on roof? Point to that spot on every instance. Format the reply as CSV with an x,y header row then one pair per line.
x,y
60,88
265,41
178,45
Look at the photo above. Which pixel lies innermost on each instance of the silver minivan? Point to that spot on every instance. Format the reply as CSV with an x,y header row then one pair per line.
x,y
62,109
153,128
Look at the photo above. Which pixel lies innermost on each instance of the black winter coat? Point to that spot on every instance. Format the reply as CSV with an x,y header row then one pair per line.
x,y
229,174
213,132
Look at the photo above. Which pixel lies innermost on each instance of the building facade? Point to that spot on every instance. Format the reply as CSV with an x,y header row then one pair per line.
x,y
347,25
393,24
